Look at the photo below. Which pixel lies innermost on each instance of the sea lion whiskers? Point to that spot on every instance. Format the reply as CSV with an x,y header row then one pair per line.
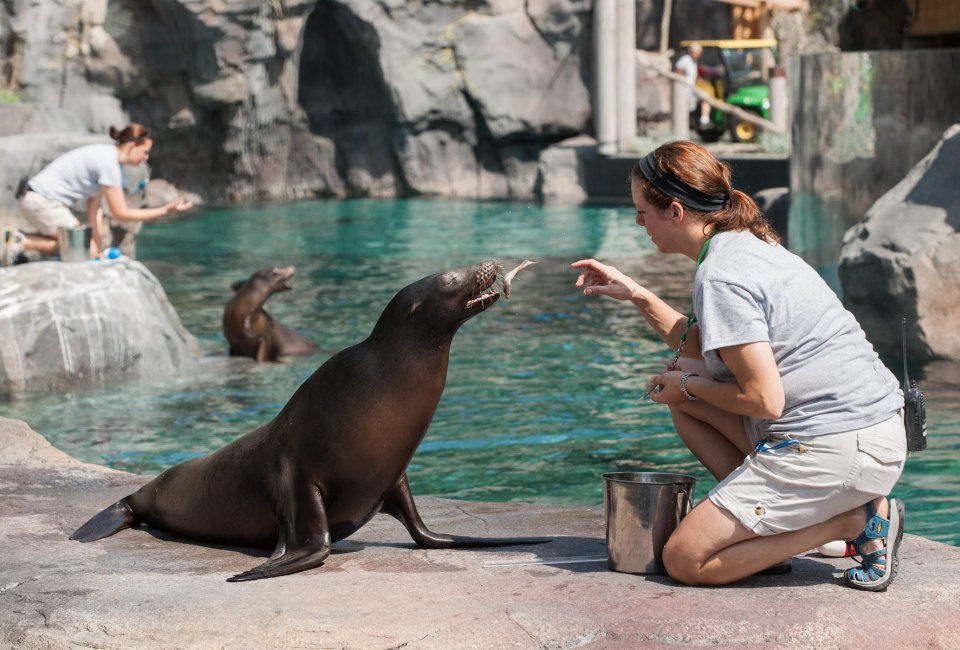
x,y
485,279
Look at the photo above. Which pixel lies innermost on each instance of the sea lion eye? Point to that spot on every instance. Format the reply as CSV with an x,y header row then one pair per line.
x,y
447,280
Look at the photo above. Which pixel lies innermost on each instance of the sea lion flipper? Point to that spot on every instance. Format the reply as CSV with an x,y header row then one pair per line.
x,y
399,504
264,351
108,521
306,520
305,557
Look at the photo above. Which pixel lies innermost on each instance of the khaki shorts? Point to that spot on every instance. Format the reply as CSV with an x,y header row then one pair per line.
x,y
46,215
797,486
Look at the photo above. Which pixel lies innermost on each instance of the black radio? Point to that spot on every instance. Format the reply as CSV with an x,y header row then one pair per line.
x,y
914,408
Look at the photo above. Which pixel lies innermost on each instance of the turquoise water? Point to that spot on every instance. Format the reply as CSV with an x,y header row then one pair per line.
x,y
543,391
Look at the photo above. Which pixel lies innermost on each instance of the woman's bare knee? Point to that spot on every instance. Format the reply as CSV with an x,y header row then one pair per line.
x,y
679,562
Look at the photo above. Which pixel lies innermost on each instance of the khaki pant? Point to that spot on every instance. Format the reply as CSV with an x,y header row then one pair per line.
x,y
796,486
46,215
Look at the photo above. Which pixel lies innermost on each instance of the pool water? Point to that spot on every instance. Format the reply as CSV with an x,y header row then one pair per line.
x,y
543,392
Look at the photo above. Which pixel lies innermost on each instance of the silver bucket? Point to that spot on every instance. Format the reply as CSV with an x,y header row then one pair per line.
x,y
643,509
74,243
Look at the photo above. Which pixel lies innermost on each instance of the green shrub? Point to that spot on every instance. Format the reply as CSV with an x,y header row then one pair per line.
x,y
8,96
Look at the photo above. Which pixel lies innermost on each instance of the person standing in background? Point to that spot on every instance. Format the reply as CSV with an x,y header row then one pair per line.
x,y
688,64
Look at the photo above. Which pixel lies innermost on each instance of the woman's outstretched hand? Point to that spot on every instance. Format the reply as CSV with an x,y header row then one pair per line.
x,y
603,280
180,205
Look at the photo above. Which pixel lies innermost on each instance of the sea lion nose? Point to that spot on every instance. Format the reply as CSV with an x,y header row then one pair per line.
x,y
487,272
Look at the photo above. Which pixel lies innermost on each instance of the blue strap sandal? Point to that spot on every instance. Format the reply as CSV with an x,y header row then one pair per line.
x,y
878,568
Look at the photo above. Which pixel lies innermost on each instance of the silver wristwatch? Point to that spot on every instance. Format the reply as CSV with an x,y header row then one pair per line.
x,y
683,385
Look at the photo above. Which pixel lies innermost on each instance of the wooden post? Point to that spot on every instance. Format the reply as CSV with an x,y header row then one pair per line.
x,y
626,75
605,73
778,98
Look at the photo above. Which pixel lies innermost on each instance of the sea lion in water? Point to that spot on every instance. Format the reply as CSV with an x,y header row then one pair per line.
x,y
250,330
337,452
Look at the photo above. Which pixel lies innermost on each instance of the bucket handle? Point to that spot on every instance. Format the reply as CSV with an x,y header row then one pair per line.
x,y
684,500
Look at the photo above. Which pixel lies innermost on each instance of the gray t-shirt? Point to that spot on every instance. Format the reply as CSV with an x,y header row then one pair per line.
x,y
747,290
79,174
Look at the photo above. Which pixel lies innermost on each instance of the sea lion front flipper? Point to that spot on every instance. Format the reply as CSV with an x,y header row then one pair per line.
x,y
265,351
399,504
305,557
304,519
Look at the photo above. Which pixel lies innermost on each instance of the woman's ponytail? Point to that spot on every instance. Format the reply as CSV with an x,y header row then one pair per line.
x,y
132,133
743,214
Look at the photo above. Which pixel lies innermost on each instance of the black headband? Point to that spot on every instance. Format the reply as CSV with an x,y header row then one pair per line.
x,y
675,188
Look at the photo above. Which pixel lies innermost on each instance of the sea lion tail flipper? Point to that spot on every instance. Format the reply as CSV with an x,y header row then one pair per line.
x,y
301,559
399,504
107,522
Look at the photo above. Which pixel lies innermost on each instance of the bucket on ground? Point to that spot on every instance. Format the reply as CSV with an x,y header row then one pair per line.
x,y
74,243
643,509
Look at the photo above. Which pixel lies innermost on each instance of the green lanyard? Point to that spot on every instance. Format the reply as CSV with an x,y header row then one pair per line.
x,y
692,316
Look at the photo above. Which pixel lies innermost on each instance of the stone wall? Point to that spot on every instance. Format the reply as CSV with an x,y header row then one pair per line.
x,y
861,121
301,98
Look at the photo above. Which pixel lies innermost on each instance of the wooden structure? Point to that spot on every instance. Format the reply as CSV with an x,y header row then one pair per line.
x,y
751,18
933,17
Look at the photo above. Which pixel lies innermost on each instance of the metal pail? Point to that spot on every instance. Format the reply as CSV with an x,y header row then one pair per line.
x,y
74,243
643,509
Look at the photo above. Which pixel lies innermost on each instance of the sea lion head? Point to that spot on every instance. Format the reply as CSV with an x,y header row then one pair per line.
x,y
270,280
438,304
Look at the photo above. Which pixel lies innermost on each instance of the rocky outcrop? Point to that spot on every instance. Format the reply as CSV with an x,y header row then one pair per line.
x,y
298,98
903,259
63,324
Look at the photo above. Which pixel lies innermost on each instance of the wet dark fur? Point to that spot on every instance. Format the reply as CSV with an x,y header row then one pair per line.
x,y
250,330
306,479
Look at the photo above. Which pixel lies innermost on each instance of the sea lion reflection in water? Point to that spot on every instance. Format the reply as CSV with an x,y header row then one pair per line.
x,y
337,452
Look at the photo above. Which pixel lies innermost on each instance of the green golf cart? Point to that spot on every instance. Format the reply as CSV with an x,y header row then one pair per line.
x,y
738,73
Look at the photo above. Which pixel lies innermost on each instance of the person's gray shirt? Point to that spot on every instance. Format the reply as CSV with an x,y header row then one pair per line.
x,y
747,290
79,174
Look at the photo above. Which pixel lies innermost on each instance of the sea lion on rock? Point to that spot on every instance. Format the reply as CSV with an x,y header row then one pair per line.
x,y
250,330
337,452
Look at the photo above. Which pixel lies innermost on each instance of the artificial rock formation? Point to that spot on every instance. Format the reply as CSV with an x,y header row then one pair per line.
x,y
903,259
63,324
299,98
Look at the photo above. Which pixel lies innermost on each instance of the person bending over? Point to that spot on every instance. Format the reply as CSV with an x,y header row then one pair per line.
x,y
775,388
93,172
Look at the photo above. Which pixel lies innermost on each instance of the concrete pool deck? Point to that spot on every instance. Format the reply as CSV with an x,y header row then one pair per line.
x,y
142,589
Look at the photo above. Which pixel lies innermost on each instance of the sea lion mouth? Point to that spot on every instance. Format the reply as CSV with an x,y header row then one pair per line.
x,y
285,274
482,293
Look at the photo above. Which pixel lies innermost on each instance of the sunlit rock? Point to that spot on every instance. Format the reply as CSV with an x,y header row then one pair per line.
x,y
903,259
63,324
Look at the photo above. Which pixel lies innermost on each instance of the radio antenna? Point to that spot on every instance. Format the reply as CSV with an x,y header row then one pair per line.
x,y
903,337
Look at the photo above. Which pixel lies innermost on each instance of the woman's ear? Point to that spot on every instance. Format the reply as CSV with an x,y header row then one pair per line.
x,y
676,211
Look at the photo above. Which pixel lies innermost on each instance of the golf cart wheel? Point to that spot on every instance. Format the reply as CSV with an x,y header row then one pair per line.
x,y
711,135
744,131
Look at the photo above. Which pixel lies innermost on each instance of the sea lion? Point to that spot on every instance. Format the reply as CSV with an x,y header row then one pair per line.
x,y
250,330
337,452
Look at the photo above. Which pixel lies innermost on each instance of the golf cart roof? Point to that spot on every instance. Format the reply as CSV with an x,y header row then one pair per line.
x,y
733,43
